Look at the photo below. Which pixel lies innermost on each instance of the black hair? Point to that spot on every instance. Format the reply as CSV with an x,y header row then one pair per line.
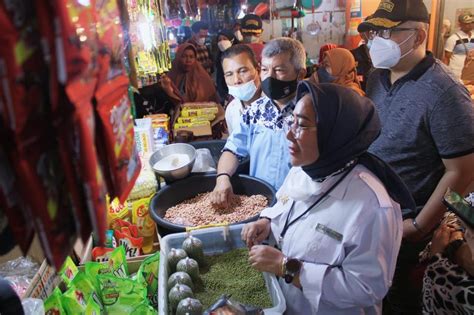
x,y
199,26
240,49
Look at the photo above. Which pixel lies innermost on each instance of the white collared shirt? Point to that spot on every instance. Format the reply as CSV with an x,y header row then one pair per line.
x,y
346,276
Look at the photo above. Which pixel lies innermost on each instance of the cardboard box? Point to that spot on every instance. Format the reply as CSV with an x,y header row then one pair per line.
x,y
43,283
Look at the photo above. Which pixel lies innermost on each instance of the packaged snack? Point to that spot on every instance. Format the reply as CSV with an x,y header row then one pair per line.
x,y
77,56
34,156
193,112
183,120
68,271
101,254
83,283
93,308
148,274
145,186
116,265
74,301
143,136
116,134
128,238
53,304
145,224
110,241
116,211
121,296
192,124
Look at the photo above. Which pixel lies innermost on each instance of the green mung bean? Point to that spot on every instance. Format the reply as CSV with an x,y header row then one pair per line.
x,y
231,273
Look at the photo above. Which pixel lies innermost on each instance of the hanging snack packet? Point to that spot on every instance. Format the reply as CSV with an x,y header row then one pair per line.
x,y
121,296
61,117
145,224
117,137
34,156
76,44
148,274
68,271
53,304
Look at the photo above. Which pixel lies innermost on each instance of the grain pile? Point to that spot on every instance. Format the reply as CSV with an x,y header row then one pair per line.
x,y
199,211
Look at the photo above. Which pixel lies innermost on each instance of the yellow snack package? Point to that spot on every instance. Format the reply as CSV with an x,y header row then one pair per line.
x,y
116,211
142,219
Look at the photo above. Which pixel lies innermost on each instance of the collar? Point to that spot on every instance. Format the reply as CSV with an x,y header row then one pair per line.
x,y
415,73
462,33
289,107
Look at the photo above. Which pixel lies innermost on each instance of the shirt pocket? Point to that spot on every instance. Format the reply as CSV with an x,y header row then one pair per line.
x,y
324,245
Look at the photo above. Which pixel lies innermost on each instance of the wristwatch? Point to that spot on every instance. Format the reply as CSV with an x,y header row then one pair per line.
x,y
291,268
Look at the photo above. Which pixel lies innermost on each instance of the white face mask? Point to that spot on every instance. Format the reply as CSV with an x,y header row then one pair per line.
x,y
201,41
369,44
224,44
385,53
239,36
243,92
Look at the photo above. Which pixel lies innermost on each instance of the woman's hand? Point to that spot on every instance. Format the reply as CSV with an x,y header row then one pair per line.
x,y
266,258
441,239
255,232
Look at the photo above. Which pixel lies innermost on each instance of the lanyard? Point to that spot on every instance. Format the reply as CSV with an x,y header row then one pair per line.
x,y
288,223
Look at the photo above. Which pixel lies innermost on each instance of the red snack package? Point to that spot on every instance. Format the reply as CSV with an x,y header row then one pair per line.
x,y
116,133
61,119
76,41
132,244
110,41
101,254
34,156
113,104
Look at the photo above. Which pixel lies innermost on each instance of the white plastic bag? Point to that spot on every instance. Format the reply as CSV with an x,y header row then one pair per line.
x,y
204,161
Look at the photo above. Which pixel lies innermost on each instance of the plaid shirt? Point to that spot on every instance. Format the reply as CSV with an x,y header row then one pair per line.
x,y
203,56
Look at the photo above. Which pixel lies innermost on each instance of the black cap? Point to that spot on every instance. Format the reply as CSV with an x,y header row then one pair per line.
x,y
197,26
392,13
251,23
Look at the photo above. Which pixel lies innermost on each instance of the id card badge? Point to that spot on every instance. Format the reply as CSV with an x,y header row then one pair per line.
x,y
329,232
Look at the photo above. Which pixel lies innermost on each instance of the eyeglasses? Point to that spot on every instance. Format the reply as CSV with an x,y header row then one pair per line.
x,y
387,33
296,129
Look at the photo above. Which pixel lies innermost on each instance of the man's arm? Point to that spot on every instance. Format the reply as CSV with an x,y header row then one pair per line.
x,y
458,175
447,57
222,192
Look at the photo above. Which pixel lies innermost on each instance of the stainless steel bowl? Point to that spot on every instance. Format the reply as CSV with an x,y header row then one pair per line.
x,y
178,173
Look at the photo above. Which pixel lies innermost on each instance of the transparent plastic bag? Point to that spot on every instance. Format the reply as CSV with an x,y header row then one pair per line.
x,y
19,272
33,306
226,306
204,161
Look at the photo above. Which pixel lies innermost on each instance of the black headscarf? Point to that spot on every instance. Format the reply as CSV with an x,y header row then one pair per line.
x,y
347,124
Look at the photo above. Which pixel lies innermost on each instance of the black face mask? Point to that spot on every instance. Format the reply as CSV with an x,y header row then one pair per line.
x,y
276,89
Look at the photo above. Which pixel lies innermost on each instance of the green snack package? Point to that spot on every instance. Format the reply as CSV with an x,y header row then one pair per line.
x,y
84,283
148,274
144,309
53,304
74,301
93,308
117,266
121,296
68,271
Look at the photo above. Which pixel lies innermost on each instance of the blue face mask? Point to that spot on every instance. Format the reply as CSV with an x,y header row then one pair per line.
x,y
324,76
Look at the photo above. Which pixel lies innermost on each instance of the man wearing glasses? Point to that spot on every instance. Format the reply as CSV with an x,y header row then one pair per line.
x,y
427,130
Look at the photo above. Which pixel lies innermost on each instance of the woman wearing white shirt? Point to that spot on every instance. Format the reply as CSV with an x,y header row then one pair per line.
x,y
336,226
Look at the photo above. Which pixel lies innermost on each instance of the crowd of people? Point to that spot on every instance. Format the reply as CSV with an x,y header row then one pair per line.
x,y
361,152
